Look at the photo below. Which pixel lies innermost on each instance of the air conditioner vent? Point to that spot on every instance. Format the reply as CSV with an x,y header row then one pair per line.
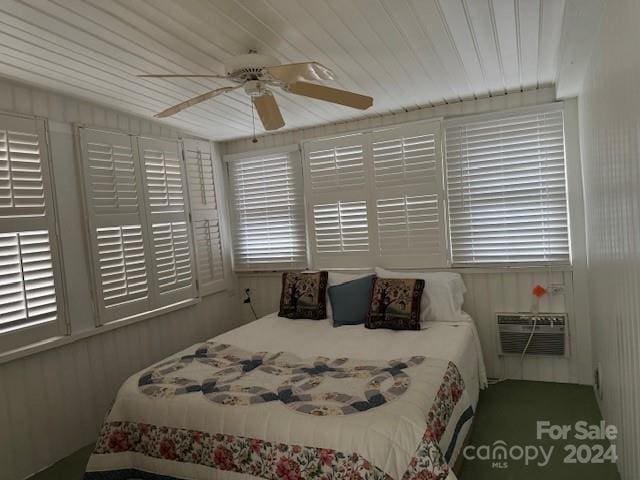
x,y
549,338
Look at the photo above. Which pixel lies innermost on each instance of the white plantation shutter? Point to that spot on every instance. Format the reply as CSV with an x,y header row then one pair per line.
x,y
28,290
30,296
199,162
22,181
337,164
27,294
117,224
168,213
172,255
138,222
336,180
409,226
268,212
409,196
405,155
507,188
377,198
122,265
341,227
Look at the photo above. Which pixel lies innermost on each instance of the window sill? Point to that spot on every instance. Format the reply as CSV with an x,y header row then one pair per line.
x,y
260,273
56,342
497,268
469,268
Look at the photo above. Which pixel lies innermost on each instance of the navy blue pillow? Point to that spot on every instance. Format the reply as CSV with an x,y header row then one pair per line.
x,y
350,301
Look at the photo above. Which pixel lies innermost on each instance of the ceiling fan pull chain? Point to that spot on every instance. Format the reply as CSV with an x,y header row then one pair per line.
x,y
253,121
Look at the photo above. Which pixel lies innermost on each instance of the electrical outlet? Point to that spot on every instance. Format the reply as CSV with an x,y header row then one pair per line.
x,y
597,380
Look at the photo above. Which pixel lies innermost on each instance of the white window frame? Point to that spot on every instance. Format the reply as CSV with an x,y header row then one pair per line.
x,y
21,337
515,112
371,194
292,150
154,308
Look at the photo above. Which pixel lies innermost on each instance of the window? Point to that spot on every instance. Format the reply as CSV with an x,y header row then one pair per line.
x,y
336,191
409,196
268,212
207,228
30,274
140,231
377,198
507,188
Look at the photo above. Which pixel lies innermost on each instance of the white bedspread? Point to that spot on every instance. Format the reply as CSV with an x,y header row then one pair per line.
x,y
457,342
288,399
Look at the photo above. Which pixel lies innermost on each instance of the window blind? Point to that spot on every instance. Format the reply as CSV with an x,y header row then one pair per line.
x,y
377,198
140,235
341,227
199,160
268,212
30,297
507,188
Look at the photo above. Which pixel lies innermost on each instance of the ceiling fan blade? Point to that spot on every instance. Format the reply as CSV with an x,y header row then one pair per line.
x,y
268,111
172,75
294,72
328,94
194,101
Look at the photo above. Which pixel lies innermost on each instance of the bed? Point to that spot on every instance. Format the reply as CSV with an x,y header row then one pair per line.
x,y
288,399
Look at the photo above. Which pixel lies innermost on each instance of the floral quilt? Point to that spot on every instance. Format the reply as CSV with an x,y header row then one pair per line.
x,y
217,409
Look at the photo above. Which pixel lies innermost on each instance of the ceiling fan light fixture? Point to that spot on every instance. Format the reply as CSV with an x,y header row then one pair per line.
x,y
254,88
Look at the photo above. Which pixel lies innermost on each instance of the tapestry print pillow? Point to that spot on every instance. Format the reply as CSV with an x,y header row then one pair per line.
x,y
395,304
304,295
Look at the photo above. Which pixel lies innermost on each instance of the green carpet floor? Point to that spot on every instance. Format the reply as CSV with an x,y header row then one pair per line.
x,y
69,468
507,411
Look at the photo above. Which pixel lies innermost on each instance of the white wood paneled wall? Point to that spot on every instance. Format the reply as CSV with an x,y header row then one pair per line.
x,y
610,142
488,292
21,98
490,104
52,402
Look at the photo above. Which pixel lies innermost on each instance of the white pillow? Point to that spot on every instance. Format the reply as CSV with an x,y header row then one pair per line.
x,y
338,278
442,297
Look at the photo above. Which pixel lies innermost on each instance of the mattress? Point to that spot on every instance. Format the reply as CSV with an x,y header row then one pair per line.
x,y
457,342
280,398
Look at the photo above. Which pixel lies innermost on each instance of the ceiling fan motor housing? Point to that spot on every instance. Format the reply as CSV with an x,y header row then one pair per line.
x,y
250,66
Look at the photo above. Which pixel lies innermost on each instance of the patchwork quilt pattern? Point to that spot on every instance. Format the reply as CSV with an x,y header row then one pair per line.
x,y
144,436
244,378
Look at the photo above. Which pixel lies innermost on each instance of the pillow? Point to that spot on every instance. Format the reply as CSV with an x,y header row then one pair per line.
x,y
395,303
338,278
443,294
304,295
350,301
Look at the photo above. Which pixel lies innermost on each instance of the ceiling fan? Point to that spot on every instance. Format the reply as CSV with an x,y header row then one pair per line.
x,y
257,74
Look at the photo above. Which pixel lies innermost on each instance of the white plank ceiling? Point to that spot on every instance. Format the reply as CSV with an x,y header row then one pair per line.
x,y
405,53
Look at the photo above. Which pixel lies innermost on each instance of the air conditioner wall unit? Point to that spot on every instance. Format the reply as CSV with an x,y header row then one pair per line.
x,y
551,335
